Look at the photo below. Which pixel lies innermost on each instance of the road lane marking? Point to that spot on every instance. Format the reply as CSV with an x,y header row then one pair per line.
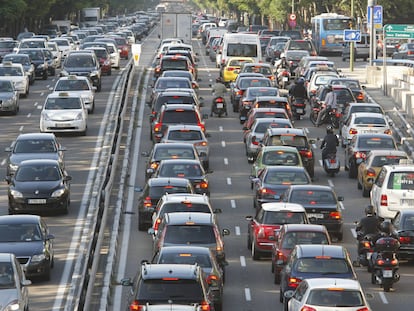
x,y
226,161
383,298
237,230
330,183
233,203
228,180
223,143
220,128
242,261
21,128
29,115
247,294
353,231
341,205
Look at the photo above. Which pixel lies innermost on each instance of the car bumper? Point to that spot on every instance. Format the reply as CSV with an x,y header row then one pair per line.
x,y
59,126
22,205
34,269
331,226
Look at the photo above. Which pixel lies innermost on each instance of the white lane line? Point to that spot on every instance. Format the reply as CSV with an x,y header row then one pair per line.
x,y
3,162
233,203
383,298
220,128
228,180
242,261
42,94
237,230
341,205
223,143
353,231
247,294
21,128
306,130
320,163
330,183
226,161
29,115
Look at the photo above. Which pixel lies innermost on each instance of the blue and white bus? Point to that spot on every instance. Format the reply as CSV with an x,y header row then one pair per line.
x,y
328,32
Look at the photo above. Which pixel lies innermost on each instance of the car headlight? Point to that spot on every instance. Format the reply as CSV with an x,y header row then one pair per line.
x,y
45,117
38,258
94,73
16,194
12,306
79,116
13,167
58,193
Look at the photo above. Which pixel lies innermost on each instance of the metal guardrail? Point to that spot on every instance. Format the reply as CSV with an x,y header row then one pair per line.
x,y
402,62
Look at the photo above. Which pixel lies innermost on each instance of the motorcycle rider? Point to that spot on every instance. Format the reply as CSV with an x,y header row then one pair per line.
x,y
330,103
298,90
282,63
329,142
218,90
370,224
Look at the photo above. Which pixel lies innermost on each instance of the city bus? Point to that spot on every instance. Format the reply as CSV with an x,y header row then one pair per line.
x,y
328,32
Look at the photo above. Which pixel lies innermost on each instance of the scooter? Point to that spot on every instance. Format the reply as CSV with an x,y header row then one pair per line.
x,y
219,107
384,263
298,106
331,164
283,77
366,244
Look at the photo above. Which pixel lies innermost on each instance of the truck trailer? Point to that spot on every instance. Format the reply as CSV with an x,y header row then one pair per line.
x,y
176,25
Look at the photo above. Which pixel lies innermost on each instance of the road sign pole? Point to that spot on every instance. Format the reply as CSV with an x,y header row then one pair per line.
x,y
371,4
351,46
384,63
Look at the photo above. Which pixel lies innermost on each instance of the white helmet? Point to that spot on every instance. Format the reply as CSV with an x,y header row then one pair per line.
x,y
282,55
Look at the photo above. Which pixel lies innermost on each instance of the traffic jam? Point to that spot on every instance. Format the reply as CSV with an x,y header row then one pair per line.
x,y
267,179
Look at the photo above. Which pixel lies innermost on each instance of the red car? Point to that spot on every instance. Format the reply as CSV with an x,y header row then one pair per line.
x,y
104,59
123,46
290,235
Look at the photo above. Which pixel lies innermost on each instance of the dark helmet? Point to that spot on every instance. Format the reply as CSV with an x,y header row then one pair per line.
x,y
329,87
386,226
329,129
369,210
300,81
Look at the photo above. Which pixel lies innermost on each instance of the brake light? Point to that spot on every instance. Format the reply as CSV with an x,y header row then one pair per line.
x,y
266,191
388,131
204,185
384,200
147,202
219,100
353,131
335,215
212,279
367,244
405,239
363,309
239,92
410,52
154,165
255,142
360,155
371,173
306,154
332,160
204,306
135,306
157,70
203,127
307,308
360,96
157,128
201,144
230,68
157,223
294,282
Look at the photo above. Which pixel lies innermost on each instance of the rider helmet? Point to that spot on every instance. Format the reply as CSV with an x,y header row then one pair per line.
x,y
282,55
300,81
369,210
386,227
329,129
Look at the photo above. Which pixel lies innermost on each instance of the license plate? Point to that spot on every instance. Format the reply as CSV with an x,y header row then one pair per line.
x,y
317,216
299,110
387,273
62,125
285,79
37,201
220,106
407,201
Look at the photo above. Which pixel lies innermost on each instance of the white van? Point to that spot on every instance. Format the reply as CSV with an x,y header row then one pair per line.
x,y
241,44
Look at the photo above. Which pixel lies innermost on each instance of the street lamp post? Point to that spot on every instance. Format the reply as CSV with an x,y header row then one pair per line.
x,y
371,4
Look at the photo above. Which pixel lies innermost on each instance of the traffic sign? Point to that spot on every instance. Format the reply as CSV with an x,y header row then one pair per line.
x,y
292,17
352,35
399,31
377,16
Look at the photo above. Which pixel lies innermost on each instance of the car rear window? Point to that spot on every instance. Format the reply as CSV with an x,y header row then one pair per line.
x,y
158,192
376,143
263,92
366,108
174,64
288,140
286,178
184,135
175,289
180,170
324,265
369,120
386,160
180,116
401,181
312,197
333,298
168,153
306,237
186,258
278,157
270,104
190,234
283,217
184,207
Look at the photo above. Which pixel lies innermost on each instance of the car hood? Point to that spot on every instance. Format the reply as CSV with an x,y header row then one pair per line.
x,y
63,115
7,295
79,69
44,188
6,95
18,158
21,249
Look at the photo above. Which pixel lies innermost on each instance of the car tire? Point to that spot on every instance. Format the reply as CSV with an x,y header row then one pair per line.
x,y
255,252
92,107
218,306
365,192
281,297
373,278
352,173
340,236
249,241
141,224
99,86
311,171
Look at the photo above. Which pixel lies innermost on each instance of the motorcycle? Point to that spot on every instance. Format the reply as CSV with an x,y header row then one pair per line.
x,y
366,243
219,107
384,263
332,116
298,106
331,164
283,77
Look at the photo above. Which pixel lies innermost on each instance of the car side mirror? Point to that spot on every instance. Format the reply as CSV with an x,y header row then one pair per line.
x,y
340,198
225,232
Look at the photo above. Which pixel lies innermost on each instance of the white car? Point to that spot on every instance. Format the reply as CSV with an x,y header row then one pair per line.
x,y
364,122
327,294
78,85
393,190
114,54
57,54
15,72
64,112
64,46
319,79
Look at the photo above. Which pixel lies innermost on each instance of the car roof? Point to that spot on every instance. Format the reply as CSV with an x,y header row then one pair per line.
x,y
164,181
268,98
280,148
184,127
189,218
280,131
19,219
179,106
180,161
304,227
314,250
312,187
39,161
282,206
157,271
174,145
30,136
179,197
185,249
334,283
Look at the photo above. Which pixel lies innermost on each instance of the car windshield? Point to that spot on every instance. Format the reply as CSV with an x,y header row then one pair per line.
x,y
306,237
335,298
63,103
72,85
37,173
6,86
186,258
283,217
324,265
6,275
190,234
78,61
34,146
19,233
277,157
174,289
180,170
312,197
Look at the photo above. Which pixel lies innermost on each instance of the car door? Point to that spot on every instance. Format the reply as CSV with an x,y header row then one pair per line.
x,y
376,189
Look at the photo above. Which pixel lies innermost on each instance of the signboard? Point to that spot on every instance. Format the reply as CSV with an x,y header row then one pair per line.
x,y
377,16
292,17
399,31
352,35
136,52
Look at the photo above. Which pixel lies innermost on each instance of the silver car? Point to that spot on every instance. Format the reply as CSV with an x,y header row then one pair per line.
x,y
14,294
9,96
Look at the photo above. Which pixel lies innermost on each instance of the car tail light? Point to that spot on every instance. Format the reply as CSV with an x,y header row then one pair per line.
x,y
261,234
404,239
306,154
388,131
371,173
135,306
353,131
313,53
273,77
360,96
255,142
280,256
335,215
201,144
360,155
147,202
307,308
363,309
212,279
294,282
157,69
219,100
230,68
332,160
194,85
367,244
239,92
157,128
203,185
410,52
266,191
205,306
384,200
157,223
154,165
203,127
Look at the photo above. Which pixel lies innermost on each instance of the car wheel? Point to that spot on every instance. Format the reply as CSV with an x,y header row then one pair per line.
x,y
340,236
255,252
373,278
218,306
365,192
249,241
92,107
98,88
352,170
311,171
281,297
46,275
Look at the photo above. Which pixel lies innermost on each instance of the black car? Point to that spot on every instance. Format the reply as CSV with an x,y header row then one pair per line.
x,y
272,182
403,224
344,96
154,189
162,283
31,146
321,204
29,239
241,84
353,84
38,59
202,256
164,83
249,96
185,168
83,63
315,261
39,185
